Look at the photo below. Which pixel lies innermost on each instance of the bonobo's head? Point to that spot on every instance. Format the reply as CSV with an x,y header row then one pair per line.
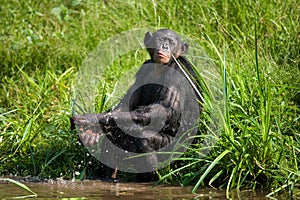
x,y
164,43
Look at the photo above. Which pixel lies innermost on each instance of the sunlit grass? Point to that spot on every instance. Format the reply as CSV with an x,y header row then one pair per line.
x,y
255,46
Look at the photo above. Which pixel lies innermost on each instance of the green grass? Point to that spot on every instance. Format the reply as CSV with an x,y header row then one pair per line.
x,y
254,44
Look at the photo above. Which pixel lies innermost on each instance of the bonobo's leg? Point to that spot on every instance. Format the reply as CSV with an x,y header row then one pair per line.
x,y
150,141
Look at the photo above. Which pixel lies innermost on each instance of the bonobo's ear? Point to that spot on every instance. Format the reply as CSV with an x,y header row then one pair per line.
x,y
184,48
148,35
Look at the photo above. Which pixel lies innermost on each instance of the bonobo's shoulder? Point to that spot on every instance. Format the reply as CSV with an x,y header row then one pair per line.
x,y
145,65
184,61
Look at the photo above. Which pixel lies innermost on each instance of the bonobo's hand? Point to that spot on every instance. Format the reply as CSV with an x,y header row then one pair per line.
x,y
89,138
89,128
154,114
157,112
141,116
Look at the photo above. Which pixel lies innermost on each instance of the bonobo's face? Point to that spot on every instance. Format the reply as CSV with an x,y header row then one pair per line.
x,y
162,44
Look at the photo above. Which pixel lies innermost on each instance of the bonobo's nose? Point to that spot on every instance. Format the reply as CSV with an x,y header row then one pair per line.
x,y
165,47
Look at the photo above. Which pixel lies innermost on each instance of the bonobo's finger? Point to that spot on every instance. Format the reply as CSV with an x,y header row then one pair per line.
x,y
84,139
97,138
91,140
141,118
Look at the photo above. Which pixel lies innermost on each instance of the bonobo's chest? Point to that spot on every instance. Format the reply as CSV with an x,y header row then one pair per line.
x,y
153,93
165,75
159,84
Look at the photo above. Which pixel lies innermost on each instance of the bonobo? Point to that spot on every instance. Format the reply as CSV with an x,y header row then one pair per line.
x,y
156,112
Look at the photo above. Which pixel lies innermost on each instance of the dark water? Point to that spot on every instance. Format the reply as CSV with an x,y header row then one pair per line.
x,y
107,190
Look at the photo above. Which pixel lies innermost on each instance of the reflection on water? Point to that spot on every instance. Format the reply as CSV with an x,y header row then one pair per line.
x,y
88,189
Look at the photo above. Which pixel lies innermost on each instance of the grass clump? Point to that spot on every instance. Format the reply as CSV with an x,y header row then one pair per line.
x,y
254,44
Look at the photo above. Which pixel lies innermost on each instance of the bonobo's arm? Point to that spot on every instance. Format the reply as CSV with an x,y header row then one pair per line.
x,y
164,113
92,126
140,105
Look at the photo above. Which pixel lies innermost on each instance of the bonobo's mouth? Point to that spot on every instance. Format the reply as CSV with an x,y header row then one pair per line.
x,y
161,55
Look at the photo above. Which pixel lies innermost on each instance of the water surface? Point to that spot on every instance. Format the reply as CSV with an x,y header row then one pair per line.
x,y
96,189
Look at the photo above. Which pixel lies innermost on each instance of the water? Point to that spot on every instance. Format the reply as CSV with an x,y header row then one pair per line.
x,y
96,189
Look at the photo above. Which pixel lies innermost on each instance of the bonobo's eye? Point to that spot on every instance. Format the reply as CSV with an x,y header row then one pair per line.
x,y
162,39
171,42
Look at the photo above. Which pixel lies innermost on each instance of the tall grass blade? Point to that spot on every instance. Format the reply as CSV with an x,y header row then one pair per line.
x,y
210,167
